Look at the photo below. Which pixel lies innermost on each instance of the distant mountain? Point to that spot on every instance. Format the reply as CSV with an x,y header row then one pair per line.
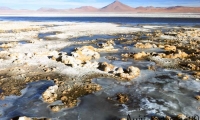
x,y
85,9
50,10
173,9
5,8
116,6
183,9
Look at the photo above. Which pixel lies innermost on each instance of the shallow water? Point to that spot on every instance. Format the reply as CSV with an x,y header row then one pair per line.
x,y
94,37
29,103
44,35
157,93
23,42
120,20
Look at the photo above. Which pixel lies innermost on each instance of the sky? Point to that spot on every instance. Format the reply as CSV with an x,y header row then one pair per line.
x,y
66,4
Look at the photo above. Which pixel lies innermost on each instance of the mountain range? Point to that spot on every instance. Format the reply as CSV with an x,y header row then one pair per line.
x,y
116,7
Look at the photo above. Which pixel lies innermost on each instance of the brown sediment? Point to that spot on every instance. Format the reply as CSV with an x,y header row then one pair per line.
x,y
120,98
145,45
11,86
197,97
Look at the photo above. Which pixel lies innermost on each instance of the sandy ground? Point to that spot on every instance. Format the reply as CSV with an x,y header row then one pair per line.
x,y
40,58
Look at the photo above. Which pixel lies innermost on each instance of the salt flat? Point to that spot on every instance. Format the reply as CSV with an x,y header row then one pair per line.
x,y
137,63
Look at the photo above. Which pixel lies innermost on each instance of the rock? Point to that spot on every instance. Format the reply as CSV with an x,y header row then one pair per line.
x,y
55,108
120,70
69,60
122,98
108,46
123,119
165,62
50,94
180,54
133,71
89,64
126,55
170,48
145,45
161,46
140,55
106,67
181,116
186,77
197,97
168,118
24,118
111,58
86,53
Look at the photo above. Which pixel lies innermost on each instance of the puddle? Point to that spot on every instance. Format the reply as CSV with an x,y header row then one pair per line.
x,y
94,37
23,42
1,49
44,35
69,49
28,104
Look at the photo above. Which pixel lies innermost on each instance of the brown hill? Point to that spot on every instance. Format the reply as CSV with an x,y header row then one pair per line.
x,y
85,9
116,6
182,9
174,9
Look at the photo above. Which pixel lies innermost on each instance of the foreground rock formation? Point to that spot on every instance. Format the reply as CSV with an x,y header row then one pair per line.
x,y
73,65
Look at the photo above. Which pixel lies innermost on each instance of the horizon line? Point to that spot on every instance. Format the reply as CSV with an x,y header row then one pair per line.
x,y
9,8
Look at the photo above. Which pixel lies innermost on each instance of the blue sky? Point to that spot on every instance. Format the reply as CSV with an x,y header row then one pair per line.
x,y
62,4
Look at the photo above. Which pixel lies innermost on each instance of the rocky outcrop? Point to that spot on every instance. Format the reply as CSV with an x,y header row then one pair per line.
x,y
145,45
130,73
124,74
106,67
80,57
197,97
140,55
50,95
170,48
165,62
107,46
9,45
85,53
136,56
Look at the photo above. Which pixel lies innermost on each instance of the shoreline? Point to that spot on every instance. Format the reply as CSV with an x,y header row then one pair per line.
x,y
147,15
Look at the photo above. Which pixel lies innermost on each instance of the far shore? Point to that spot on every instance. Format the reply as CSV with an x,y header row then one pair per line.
x,y
148,15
